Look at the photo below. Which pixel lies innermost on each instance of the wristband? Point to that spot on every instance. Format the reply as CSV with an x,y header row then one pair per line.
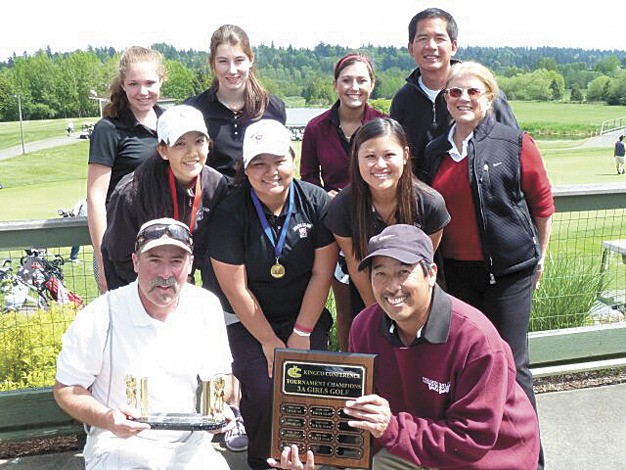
x,y
301,333
303,329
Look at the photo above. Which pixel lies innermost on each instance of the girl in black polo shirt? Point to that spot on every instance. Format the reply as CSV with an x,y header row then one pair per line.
x,y
123,139
382,192
274,261
235,99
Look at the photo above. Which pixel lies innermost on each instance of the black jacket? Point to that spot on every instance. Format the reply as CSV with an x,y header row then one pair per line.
x,y
508,233
424,120
125,216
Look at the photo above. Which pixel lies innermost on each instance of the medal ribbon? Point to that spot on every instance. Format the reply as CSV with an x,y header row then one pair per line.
x,y
278,247
196,198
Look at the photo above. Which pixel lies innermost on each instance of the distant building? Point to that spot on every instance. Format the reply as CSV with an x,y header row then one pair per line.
x,y
298,118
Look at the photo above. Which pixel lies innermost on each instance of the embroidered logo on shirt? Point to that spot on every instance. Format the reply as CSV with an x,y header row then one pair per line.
x,y
303,229
438,387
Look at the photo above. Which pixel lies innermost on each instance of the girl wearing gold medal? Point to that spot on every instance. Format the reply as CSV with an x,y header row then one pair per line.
x,y
274,260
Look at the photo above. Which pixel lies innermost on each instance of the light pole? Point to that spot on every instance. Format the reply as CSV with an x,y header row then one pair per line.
x,y
19,110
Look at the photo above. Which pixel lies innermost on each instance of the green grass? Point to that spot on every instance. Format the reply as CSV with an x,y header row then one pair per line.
x,y
571,165
39,183
568,291
568,113
37,130
572,119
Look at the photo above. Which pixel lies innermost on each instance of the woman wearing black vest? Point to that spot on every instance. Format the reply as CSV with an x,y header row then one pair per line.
x,y
496,189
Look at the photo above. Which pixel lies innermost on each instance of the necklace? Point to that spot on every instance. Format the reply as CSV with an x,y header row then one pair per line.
x,y
352,126
236,107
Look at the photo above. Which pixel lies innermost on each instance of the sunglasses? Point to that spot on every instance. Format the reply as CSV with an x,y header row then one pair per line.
x,y
154,232
458,92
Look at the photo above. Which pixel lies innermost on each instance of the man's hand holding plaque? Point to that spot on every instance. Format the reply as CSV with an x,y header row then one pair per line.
x,y
313,392
370,412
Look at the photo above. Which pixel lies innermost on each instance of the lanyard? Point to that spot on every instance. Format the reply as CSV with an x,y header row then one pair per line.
x,y
278,247
196,198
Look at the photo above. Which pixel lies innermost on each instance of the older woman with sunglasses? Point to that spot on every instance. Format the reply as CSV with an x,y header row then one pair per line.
x,y
496,189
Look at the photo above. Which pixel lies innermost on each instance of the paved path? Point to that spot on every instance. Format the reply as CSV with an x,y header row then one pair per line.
x,y
605,140
584,429
580,429
37,145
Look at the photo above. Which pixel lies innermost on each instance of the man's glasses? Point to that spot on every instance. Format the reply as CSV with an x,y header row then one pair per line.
x,y
458,92
154,232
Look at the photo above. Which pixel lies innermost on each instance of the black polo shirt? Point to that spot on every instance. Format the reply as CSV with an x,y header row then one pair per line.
x,y
122,144
431,209
226,128
125,215
236,236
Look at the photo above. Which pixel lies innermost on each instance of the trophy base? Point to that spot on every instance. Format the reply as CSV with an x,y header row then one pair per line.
x,y
181,422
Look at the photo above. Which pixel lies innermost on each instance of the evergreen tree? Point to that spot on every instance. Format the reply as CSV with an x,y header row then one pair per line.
x,y
576,95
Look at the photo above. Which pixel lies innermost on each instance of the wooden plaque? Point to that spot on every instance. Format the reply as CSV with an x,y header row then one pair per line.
x,y
310,390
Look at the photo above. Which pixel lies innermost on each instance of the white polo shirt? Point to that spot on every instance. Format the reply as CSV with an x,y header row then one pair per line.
x,y
191,343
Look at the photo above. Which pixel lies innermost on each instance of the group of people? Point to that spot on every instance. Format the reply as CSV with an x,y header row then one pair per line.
x,y
430,224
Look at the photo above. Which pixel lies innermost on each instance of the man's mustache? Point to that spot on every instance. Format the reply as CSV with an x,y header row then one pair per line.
x,y
160,282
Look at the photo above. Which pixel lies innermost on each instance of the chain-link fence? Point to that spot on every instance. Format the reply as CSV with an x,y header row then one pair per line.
x,y
584,282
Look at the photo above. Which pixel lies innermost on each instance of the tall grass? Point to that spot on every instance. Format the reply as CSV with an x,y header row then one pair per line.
x,y
569,288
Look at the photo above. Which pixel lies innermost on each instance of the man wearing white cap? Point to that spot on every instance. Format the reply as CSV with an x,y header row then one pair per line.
x,y
158,327
175,182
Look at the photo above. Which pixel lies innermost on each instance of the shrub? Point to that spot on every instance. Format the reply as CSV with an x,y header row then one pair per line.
x,y
29,346
569,287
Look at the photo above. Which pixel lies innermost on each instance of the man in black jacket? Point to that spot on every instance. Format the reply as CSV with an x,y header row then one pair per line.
x,y
419,105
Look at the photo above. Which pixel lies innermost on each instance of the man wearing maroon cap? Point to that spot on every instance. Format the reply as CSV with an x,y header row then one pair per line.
x,y
446,395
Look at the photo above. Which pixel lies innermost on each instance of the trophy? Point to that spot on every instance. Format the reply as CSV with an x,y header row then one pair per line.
x,y
210,418
310,390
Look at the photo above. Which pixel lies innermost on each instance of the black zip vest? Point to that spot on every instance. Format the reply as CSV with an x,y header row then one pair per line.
x,y
507,230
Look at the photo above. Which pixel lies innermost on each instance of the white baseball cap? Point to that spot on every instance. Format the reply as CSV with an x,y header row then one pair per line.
x,y
265,136
160,232
177,121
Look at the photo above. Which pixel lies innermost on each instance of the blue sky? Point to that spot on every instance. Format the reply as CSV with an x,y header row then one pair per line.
x,y
29,25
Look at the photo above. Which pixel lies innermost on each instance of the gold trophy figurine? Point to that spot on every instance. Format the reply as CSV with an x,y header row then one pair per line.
x,y
143,396
213,398
131,390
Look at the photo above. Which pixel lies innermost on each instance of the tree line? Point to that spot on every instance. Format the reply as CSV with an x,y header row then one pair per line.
x,y
59,85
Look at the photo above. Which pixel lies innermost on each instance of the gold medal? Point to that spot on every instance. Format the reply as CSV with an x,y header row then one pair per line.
x,y
277,270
